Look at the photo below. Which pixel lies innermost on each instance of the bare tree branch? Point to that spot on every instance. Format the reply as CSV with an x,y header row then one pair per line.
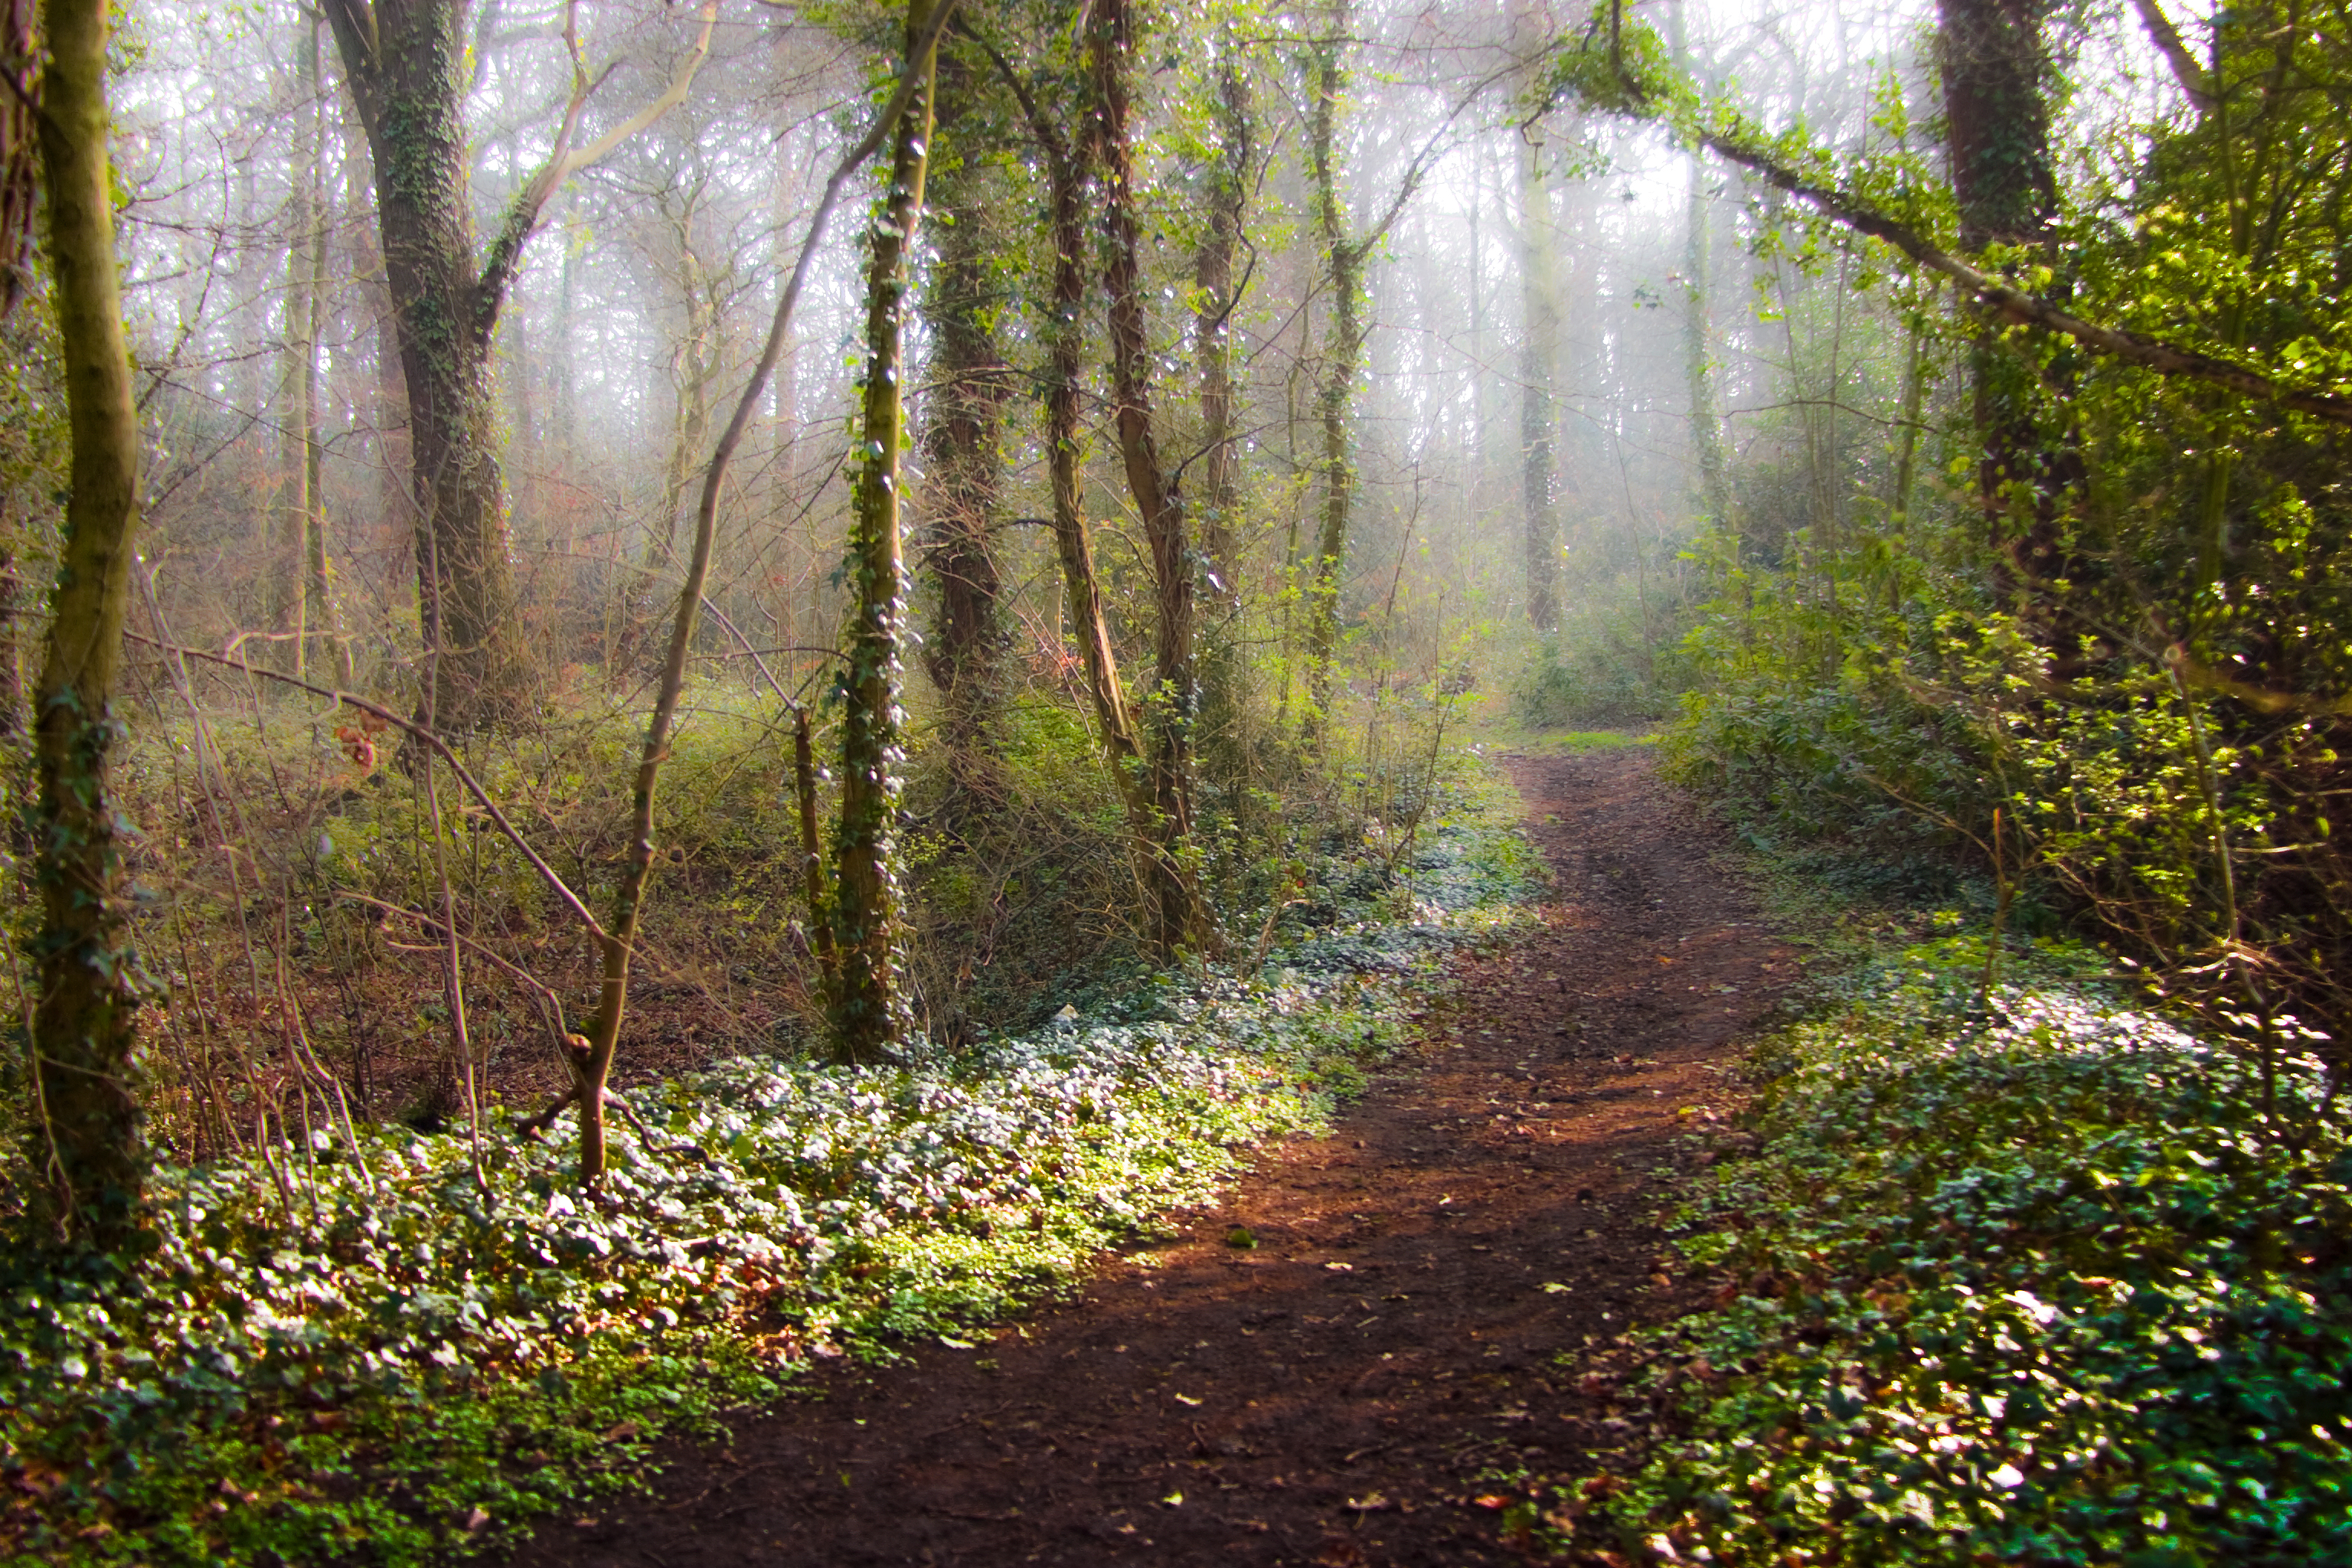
x,y
547,873
564,161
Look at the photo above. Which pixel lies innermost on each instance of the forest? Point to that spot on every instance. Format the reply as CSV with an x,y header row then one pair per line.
x,y
1008,781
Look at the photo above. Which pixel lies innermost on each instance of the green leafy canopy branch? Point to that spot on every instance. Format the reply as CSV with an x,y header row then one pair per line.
x,y
1619,66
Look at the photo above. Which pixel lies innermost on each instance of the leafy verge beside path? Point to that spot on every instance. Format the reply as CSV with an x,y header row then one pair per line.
x,y
2026,1277
361,1346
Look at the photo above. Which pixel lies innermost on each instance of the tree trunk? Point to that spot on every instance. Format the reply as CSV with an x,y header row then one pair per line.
x,y
867,1008
286,538
1166,875
694,366
1906,459
1343,349
1538,362
313,617
1698,349
1213,273
962,432
592,1059
1996,69
1177,917
404,61
1066,343
88,1142
19,148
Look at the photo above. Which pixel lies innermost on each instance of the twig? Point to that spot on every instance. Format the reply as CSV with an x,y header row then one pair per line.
x,y
440,748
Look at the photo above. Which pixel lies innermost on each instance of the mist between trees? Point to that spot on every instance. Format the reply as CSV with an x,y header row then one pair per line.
x,y
663,531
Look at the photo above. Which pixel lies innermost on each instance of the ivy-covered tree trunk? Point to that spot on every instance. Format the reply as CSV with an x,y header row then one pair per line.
x,y
1343,354
867,1008
86,1124
1225,194
1996,69
1176,918
1066,343
1065,347
404,60
1212,274
963,434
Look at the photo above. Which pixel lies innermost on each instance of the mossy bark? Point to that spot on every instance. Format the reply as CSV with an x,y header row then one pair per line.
x,y
88,1142
866,1007
1997,76
404,61
1065,343
1177,917
1212,274
1343,355
962,436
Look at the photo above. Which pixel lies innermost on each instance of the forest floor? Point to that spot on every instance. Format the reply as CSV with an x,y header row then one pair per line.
x,y
1413,1333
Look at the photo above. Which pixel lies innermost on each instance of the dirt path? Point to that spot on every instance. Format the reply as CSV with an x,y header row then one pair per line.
x,y
1330,1395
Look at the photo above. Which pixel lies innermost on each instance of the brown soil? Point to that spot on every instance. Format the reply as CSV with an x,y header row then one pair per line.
x,y
1419,1311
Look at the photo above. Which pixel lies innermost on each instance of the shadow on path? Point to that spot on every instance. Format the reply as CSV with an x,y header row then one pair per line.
x,y
1412,1316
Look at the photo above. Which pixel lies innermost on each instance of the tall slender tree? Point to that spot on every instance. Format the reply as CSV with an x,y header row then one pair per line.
x,y
1232,138
88,1141
1343,353
1698,297
302,575
963,418
1996,69
1345,252
868,1007
1538,368
1178,917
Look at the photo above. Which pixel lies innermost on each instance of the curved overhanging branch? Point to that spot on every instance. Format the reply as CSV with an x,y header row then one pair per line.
x,y
2018,306
1614,87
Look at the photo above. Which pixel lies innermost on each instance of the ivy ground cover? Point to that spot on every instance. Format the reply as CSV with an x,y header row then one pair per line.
x,y
2026,1275
370,1347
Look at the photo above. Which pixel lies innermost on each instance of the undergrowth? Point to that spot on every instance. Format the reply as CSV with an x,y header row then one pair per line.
x,y
378,1345
2017,1274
